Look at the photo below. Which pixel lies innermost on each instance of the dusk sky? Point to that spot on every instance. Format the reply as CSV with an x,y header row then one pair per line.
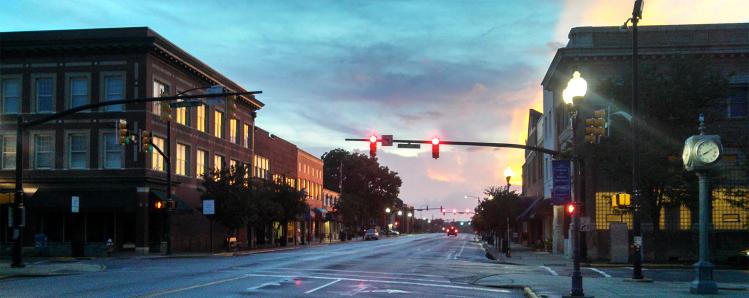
x,y
330,70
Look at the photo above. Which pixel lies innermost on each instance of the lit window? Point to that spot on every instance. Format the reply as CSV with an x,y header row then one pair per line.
x,y
112,151
157,161
78,91
233,131
159,89
201,118
201,163
183,152
246,136
114,90
218,124
218,162
233,165
11,90
9,152
45,101
43,151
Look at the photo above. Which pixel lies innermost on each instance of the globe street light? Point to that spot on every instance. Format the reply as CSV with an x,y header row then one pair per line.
x,y
576,88
400,213
508,175
387,210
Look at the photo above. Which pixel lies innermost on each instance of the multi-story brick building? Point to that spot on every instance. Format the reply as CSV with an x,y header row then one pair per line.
x,y
600,53
43,72
310,179
534,228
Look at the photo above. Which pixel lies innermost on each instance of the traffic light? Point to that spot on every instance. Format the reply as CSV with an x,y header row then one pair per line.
x,y
596,127
158,204
165,108
571,208
171,204
372,146
122,128
145,141
455,211
435,148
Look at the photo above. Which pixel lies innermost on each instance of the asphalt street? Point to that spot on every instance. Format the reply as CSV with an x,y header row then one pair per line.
x,y
419,266
430,265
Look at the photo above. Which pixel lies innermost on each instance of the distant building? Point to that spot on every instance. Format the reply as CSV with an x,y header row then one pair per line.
x,y
79,156
534,225
310,179
602,52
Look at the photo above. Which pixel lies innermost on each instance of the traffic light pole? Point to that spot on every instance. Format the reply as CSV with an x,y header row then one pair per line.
x,y
21,125
636,229
477,144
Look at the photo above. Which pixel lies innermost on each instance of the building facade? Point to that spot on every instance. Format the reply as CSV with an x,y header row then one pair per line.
x,y
534,227
310,179
600,53
79,156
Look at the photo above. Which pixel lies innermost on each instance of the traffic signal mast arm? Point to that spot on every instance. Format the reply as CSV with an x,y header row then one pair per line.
x,y
479,144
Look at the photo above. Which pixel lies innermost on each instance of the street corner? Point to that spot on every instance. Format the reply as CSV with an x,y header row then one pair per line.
x,y
49,269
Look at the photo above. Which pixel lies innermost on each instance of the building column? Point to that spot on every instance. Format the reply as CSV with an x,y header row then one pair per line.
x,y
141,220
557,240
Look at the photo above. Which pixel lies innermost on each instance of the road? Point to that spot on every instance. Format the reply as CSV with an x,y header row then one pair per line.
x,y
431,265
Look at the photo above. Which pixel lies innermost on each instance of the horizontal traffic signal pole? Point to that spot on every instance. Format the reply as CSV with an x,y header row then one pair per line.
x,y
476,144
127,101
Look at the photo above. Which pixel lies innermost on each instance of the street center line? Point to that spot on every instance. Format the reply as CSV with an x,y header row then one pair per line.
x,y
325,285
461,250
550,270
172,291
357,271
600,271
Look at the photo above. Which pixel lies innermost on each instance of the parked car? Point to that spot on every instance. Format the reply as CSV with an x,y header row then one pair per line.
x,y
394,233
371,234
452,231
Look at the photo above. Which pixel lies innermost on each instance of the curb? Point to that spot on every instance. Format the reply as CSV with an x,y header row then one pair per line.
x,y
529,293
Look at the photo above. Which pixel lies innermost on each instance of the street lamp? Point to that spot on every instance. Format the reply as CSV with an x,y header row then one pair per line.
x,y
508,175
576,87
636,230
400,213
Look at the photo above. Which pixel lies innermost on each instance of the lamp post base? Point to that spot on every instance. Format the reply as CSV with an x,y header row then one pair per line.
x,y
704,283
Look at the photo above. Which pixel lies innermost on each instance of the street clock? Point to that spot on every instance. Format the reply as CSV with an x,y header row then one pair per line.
x,y
701,152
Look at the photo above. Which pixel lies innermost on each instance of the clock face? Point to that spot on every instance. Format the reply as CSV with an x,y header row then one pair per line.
x,y
708,152
685,154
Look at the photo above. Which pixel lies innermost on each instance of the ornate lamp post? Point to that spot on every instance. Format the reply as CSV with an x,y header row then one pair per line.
x,y
576,87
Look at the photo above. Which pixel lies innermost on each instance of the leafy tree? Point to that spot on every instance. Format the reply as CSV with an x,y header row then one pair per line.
x,y
492,214
228,188
291,203
670,100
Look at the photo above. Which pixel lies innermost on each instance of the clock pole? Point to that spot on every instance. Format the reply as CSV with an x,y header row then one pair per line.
x,y
704,282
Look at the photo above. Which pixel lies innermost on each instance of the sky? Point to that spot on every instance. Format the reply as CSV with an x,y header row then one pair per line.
x,y
330,70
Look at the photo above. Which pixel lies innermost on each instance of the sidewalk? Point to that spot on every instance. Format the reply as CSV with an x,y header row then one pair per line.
x,y
49,267
526,268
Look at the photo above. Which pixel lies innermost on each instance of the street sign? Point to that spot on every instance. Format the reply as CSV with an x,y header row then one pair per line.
x,y
562,184
409,146
586,225
387,140
186,104
209,207
74,204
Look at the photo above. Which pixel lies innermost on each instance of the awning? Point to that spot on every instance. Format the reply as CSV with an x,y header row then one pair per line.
x,y
89,200
181,205
539,207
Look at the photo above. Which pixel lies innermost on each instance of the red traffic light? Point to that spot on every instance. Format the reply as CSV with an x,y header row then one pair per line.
x,y
570,208
158,205
435,148
373,146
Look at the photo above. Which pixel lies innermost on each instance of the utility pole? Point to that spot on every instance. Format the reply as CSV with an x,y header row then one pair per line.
x,y
636,229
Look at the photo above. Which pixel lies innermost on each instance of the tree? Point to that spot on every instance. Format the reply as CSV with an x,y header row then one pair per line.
x,y
671,98
229,189
291,202
492,215
368,188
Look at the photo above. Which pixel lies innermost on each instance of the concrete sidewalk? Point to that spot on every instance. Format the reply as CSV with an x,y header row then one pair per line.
x,y
49,267
549,285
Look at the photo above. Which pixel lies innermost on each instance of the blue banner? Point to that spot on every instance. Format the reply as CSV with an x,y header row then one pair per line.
x,y
562,189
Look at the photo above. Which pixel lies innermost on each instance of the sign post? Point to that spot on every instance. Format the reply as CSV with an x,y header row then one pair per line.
x,y
209,210
562,188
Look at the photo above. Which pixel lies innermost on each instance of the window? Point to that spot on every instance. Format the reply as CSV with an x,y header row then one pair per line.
x,y
233,165
261,167
9,152
112,151
183,152
182,116
218,162
78,91
43,151
77,151
45,101
246,135
114,89
218,124
201,118
233,131
11,90
158,89
737,103
201,164
157,161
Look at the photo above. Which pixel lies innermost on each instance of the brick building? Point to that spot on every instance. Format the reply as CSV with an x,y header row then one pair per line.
x,y
310,178
603,52
534,225
43,72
